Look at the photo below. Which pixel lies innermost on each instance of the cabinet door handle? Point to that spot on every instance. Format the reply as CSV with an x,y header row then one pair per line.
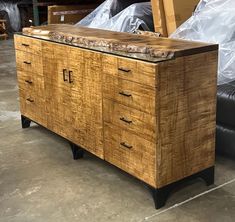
x,y
64,75
29,81
125,120
125,94
30,100
26,45
124,70
126,145
27,63
70,76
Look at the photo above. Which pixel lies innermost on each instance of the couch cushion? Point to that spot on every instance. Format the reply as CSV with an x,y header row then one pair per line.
x,y
226,104
225,140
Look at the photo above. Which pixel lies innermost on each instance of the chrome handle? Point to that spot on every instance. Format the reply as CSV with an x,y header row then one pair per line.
x,y
124,70
27,63
126,145
125,120
125,94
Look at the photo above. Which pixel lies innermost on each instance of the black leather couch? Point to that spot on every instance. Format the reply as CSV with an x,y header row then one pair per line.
x,y
225,134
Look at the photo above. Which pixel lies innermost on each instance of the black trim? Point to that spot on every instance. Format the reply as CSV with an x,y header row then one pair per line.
x,y
160,195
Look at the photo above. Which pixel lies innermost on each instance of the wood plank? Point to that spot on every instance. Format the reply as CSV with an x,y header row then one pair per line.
x,y
159,17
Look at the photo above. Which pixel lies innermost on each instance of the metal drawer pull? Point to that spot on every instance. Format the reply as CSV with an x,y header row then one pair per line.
x,y
26,45
125,120
124,70
27,63
30,100
126,145
64,75
70,76
29,81
125,94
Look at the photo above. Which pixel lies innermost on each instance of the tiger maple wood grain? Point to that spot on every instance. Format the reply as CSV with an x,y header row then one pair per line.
x,y
186,107
140,72
74,110
131,94
140,160
171,108
27,44
27,62
142,123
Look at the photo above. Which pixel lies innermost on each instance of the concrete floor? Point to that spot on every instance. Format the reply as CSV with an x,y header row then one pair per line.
x,y
40,182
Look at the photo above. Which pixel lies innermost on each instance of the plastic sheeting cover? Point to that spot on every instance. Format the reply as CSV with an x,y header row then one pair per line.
x,y
104,12
10,7
214,22
128,20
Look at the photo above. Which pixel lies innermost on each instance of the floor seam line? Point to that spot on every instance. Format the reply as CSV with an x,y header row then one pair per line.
x,y
189,199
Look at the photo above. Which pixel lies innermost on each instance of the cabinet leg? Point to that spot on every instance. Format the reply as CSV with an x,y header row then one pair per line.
x,y
25,122
77,151
160,195
208,176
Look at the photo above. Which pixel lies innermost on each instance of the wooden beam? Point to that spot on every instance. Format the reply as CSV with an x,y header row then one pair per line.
x,y
159,17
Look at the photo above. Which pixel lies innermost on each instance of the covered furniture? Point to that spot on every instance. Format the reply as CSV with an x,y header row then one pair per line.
x,y
225,135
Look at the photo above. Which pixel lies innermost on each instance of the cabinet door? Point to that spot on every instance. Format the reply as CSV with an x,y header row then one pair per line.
x,y
57,88
73,95
85,68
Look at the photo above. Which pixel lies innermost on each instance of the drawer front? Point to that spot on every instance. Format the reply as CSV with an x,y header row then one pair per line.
x,y
140,123
136,71
32,83
32,106
131,153
128,93
27,44
27,62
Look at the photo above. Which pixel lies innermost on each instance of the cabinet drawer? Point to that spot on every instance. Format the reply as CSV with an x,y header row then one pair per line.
x,y
138,122
27,62
128,93
140,72
27,44
32,83
131,153
32,106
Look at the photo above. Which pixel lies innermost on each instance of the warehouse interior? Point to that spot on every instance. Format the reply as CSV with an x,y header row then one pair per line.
x,y
118,111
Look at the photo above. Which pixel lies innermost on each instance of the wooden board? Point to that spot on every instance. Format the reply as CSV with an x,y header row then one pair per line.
x,y
159,17
117,41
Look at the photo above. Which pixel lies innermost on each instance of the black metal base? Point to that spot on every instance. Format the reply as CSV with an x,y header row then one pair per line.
x,y
160,195
77,151
25,122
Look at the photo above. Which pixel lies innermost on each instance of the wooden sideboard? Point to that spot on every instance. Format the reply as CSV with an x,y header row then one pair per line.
x,y
154,120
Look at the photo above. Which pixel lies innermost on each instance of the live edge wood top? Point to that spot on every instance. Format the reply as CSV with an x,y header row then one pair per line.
x,y
143,47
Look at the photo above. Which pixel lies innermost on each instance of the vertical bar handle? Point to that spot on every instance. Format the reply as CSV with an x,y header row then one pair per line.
x,y
64,75
70,76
